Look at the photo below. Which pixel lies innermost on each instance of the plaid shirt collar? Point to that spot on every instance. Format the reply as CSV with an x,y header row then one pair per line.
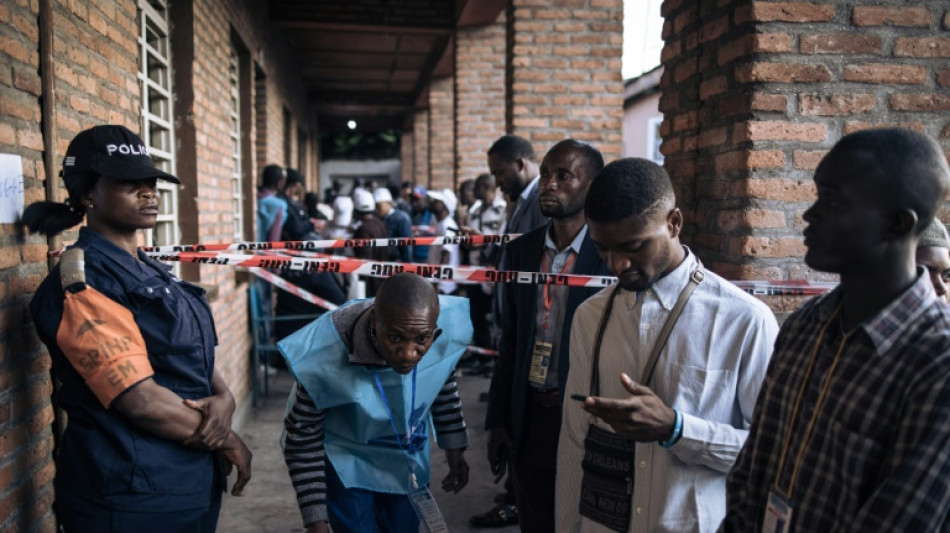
x,y
887,326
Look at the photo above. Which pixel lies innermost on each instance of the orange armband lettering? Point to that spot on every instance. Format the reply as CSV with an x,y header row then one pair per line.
x,y
103,343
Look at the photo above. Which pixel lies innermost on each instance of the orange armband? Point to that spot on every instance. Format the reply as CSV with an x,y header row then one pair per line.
x,y
103,343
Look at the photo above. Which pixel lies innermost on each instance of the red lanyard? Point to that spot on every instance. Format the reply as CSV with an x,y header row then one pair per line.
x,y
545,287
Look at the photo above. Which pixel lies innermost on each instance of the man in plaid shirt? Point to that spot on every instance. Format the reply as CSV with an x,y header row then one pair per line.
x,y
851,430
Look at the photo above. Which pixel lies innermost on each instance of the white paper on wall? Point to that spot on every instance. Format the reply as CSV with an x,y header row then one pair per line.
x,y
11,188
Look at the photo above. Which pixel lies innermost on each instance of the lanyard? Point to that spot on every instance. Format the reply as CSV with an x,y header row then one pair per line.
x,y
814,415
392,421
695,278
545,287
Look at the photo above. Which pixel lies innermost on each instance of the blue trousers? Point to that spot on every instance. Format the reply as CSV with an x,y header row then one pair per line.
x,y
364,511
90,518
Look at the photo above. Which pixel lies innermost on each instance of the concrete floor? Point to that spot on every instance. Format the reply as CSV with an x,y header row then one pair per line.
x,y
269,504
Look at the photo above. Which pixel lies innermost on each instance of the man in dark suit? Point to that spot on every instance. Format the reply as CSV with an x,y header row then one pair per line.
x,y
524,405
511,159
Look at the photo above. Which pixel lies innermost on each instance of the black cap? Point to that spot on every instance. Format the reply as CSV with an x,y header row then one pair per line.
x,y
113,152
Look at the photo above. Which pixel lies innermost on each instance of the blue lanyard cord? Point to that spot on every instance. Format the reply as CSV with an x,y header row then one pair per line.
x,y
389,412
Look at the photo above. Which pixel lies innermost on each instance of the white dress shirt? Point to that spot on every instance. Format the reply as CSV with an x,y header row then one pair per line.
x,y
445,228
710,371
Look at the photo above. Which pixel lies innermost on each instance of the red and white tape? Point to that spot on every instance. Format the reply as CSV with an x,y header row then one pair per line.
x,y
291,288
458,274
333,243
482,351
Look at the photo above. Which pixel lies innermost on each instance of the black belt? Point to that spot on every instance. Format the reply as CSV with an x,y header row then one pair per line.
x,y
549,398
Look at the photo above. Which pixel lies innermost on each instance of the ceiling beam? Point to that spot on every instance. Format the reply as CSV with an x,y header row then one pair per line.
x,y
372,28
353,97
480,12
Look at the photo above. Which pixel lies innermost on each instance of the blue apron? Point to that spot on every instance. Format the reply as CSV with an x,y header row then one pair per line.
x,y
359,439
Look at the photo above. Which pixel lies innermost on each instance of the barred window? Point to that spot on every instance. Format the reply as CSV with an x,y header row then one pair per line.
x,y
157,123
237,197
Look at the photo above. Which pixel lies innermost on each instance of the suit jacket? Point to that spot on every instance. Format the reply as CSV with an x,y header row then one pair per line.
x,y
527,214
509,385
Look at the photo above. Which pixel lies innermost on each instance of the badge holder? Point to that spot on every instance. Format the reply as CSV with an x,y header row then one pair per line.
x,y
421,499
427,509
540,362
778,513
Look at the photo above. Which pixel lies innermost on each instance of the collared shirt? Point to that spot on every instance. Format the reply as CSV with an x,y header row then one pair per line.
x,y
399,226
522,206
877,458
710,371
488,219
446,227
550,322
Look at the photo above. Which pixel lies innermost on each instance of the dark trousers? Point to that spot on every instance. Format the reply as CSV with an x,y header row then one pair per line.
x,y
90,518
479,307
534,466
360,510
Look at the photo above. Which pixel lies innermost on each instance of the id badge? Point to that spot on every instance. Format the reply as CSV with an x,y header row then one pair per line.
x,y
540,361
426,508
778,514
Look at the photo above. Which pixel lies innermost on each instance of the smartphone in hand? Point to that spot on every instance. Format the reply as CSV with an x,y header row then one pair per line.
x,y
578,397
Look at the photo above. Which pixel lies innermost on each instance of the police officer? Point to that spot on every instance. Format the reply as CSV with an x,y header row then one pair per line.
x,y
133,346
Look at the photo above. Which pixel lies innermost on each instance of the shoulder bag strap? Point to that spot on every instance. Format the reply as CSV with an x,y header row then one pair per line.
x,y
694,280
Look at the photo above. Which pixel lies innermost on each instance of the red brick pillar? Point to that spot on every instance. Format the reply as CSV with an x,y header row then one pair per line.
x,y
756,92
406,148
442,133
420,147
565,81
479,95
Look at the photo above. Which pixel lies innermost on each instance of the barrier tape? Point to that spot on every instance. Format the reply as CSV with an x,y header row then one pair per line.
x,y
482,351
280,282
320,262
458,274
379,269
785,288
334,243
297,291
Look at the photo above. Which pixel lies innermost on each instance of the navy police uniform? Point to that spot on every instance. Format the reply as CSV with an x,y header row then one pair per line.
x,y
106,465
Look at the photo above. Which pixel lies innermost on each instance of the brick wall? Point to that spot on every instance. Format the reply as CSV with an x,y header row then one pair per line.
x,y
216,26
95,64
95,82
406,148
420,147
756,92
479,95
442,133
564,64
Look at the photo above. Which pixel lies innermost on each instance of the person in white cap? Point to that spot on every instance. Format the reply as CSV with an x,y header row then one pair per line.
x,y
368,226
933,253
442,204
398,224
342,217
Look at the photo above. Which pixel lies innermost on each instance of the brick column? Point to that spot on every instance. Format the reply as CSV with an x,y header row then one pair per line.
x,y
479,95
755,93
420,147
564,64
442,133
405,155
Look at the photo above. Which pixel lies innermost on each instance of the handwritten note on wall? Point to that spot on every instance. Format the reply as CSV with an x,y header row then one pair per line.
x,y
11,188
